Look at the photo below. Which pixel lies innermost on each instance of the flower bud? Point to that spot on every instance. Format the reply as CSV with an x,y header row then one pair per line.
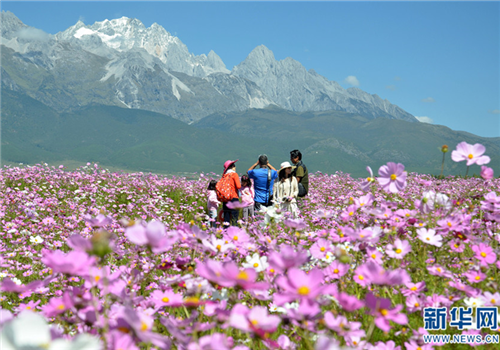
x,y
444,148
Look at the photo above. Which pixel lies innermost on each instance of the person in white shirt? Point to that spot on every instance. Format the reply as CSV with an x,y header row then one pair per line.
x,y
286,190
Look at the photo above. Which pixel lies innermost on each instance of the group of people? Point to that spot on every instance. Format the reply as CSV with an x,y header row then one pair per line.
x,y
261,186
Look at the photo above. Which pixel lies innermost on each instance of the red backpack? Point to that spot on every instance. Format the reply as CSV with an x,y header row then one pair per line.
x,y
224,189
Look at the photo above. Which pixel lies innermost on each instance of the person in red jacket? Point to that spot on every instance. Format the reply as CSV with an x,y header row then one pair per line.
x,y
231,215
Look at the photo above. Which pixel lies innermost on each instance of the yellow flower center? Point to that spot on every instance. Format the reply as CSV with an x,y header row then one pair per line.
x,y
341,235
144,326
60,307
428,238
470,156
322,249
438,269
417,304
242,276
303,290
478,278
449,224
374,256
256,265
28,307
383,312
393,177
165,299
413,288
254,322
455,245
361,277
218,247
398,251
97,278
336,271
351,213
493,301
235,238
483,254
272,270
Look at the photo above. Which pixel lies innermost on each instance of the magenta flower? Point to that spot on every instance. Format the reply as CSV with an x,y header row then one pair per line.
x,y
73,263
349,302
486,173
392,177
365,185
381,309
399,249
253,319
472,154
320,248
475,276
484,254
335,270
99,221
165,298
153,235
299,285
287,258
342,326
232,275
296,224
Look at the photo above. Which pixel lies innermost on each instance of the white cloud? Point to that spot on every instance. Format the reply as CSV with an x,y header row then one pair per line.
x,y
425,120
428,100
33,34
397,78
352,80
82,19
391,87
494,111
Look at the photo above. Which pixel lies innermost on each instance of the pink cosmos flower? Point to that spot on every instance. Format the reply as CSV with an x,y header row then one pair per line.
x,y
392,177
413,303
399,249
365,185
342,326
153,235
99,221
475,276
472,154
287,258
335,270
165,298
413,288
429,236
349,302
72,263
298,284
484,254
374,254
381,309
232,275
253,319
320,248
486,173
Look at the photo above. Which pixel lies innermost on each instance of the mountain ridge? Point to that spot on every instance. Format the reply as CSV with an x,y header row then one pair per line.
x,y
128,64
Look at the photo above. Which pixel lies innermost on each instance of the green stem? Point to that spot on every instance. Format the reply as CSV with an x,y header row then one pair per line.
x,y
442,167
467,171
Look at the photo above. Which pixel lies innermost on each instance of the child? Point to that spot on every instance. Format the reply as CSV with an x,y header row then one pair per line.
x,y
247,196
212,203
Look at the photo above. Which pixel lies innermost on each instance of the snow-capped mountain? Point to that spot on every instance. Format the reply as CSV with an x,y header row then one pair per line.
x,y
121,62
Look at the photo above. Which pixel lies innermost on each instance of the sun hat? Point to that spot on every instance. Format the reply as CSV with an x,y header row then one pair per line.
x,y
285,165
227,164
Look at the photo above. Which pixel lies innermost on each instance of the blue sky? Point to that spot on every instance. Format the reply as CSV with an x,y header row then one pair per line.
x,y
438,60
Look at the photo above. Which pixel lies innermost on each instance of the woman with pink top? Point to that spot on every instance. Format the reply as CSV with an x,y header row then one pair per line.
x,y
212,203
247,196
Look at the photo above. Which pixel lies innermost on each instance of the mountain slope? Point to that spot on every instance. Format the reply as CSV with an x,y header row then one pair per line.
x,y
121,62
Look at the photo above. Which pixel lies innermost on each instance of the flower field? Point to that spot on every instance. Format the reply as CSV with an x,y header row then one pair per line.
x,y
97,260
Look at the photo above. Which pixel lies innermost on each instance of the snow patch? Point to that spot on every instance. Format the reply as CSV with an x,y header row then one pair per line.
x,y
256,102
83,31
176,83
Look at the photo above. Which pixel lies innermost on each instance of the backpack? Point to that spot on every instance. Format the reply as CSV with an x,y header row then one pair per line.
x,y
223,188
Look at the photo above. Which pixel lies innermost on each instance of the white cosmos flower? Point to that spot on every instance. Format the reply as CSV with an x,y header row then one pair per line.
x,y
256,262
16,281
36,239
30,331
474,302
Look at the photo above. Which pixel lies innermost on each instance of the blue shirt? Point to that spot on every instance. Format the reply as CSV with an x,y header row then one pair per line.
x,y
262,189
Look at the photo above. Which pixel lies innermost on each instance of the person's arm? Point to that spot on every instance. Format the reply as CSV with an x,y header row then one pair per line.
x,y
270,166
295,188
299,174
253,166
237,183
